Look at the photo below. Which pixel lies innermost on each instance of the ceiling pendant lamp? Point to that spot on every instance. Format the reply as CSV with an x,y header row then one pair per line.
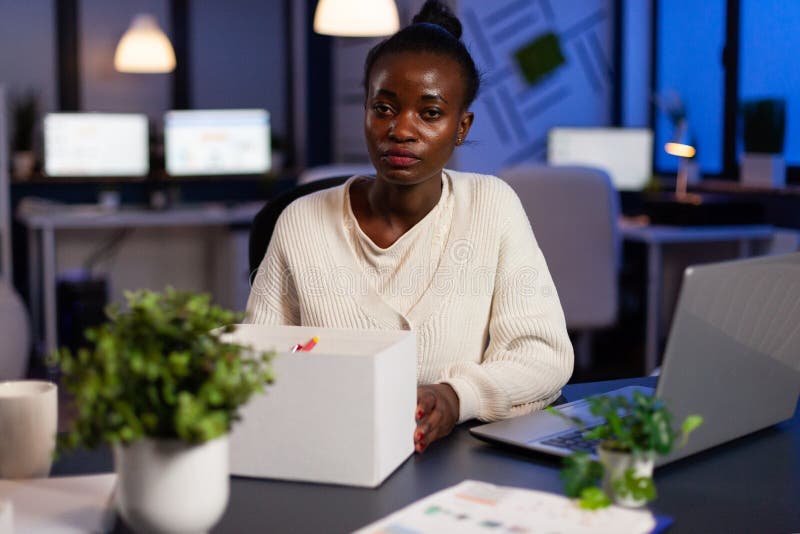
x,y
356,18
144,48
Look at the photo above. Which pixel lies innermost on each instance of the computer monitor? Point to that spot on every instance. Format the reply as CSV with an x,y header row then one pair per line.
x,y
626,154
96,145
214,142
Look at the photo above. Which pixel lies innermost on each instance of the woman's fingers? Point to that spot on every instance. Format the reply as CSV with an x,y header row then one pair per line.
x,y
436,414
426,400
432,428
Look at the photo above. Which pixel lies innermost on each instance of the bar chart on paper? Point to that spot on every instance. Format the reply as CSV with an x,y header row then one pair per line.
x,y
480,508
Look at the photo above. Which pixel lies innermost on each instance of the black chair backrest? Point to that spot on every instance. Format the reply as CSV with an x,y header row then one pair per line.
x,y
264,222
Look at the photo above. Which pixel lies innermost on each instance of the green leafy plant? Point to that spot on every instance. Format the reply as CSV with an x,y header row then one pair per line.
x,y
764,122
24,114
640,425
160,369
639,488
580,472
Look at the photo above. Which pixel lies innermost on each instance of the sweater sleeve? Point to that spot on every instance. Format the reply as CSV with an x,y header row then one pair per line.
x,y
273,293
529,357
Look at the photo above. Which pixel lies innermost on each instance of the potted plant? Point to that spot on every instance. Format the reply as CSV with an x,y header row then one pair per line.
x,y
634,430
162,386
764,122
24,114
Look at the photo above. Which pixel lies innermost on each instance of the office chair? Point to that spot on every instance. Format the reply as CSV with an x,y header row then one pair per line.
x,y
312,174
15,333
264,222
574,212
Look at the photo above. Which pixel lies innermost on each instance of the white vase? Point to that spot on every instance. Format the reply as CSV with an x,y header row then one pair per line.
x,y
616,463
168,486
763,170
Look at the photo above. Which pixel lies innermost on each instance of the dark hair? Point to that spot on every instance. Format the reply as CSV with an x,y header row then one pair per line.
x,y
434,29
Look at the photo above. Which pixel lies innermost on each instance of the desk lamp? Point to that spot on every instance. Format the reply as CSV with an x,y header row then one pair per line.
x,y
144,48
681,147
356,18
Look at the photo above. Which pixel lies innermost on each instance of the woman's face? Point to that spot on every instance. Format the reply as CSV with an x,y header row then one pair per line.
x,y
414,114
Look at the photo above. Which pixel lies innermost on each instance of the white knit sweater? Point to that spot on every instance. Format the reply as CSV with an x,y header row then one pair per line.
x,y
489,323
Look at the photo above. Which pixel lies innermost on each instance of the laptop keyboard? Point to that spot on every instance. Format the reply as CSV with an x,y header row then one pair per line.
x,y
573,441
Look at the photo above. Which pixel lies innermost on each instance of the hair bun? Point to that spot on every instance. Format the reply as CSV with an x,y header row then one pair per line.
x,y
435,12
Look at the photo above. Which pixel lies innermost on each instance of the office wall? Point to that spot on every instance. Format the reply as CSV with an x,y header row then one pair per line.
x,y
512,116
238,56
27,48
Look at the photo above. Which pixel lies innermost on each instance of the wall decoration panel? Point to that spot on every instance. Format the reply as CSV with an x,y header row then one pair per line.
x,y
568,45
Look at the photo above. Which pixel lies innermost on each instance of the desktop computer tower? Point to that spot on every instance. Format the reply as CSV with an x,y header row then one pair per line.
x,y
81,304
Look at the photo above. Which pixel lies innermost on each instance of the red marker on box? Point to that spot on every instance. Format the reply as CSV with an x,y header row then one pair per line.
x,y
310,345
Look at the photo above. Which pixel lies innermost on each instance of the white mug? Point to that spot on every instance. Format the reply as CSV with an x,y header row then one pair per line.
x,y
28,426
6,517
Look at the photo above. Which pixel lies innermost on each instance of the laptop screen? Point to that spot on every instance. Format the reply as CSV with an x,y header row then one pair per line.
x,y
626,154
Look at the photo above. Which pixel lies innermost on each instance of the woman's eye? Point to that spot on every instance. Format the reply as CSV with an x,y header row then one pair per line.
x,y
432,113
382,109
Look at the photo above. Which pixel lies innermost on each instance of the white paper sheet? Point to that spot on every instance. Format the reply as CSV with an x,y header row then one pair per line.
x,y
482,508
61,505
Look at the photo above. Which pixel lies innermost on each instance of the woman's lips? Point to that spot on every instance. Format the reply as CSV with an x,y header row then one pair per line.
x,y
400,158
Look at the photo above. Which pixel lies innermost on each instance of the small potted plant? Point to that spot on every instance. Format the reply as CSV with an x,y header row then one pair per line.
x,y
24,114
764,124
162,386
634,430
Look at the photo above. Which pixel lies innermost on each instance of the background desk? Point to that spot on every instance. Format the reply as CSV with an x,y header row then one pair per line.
x,y
43,221
749,485
655,237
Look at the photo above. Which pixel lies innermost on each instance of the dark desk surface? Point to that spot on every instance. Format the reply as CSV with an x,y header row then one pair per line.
x,y
749,485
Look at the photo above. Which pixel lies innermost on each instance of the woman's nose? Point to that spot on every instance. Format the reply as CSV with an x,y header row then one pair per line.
x,y
402,128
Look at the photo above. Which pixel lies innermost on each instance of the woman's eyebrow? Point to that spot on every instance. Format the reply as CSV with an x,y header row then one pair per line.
x,y
386,93
434,96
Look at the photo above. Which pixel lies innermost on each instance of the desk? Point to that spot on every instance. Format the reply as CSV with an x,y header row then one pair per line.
x,y
749,485
654,237
43,220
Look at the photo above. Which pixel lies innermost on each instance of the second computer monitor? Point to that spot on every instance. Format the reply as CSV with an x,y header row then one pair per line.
x,y
215,142
626,154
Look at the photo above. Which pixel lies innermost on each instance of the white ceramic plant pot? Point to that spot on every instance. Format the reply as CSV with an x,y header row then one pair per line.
x,y
616,463
6,517
763,170
166,486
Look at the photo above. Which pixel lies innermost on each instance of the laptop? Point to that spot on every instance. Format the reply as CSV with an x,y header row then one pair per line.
x,y
732,356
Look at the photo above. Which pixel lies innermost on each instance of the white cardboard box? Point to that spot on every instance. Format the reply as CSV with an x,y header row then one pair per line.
x,y
342,413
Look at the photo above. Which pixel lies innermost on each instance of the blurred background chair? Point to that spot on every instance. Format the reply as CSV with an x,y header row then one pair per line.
x,y
264,222
574,212
15,334
313,174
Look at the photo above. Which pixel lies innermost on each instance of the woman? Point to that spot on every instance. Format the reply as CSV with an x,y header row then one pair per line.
x,y
447,254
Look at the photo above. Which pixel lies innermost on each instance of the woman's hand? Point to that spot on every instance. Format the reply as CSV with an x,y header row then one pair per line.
x,y
437,414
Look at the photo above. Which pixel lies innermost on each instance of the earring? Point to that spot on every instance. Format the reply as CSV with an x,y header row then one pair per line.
x,y
459,140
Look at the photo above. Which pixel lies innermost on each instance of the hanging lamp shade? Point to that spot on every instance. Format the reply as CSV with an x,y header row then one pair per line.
x,y
356,18
144,48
